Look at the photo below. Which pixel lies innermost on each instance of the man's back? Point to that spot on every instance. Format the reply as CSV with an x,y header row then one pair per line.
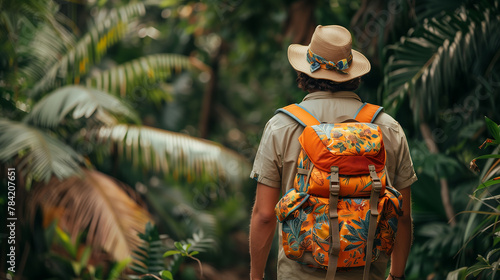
x,y
328,64
276,164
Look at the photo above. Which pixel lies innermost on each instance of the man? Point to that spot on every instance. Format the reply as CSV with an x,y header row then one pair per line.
x,y
329,70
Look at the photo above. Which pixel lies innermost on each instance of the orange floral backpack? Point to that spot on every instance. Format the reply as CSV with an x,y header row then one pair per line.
x,y
342,202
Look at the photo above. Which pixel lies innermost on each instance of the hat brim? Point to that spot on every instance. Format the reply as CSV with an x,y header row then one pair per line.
x,y
297,56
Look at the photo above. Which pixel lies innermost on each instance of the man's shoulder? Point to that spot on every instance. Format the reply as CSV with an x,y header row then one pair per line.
x,y
281,121
388,121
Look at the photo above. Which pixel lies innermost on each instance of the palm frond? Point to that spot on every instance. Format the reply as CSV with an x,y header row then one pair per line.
x,y
428,8
51,66
123,79
174,154
44,50
16,13
19,22
80,102
36,153
426,64
95,203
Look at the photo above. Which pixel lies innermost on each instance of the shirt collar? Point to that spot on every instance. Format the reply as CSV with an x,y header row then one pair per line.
x,y
327,94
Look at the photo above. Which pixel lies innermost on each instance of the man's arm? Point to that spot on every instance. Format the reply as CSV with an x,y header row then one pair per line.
x,y
262,227
404,237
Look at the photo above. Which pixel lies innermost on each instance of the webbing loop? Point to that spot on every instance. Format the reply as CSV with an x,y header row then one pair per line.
x,y
334,223
372,226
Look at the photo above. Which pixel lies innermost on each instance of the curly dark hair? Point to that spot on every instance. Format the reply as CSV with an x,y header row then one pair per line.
x,y
308,84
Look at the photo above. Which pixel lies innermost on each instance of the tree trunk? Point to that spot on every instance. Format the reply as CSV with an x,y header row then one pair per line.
x,y
300,24
445,193
208,95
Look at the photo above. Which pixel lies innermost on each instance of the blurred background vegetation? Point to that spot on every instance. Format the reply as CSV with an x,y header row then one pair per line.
x,y
132,126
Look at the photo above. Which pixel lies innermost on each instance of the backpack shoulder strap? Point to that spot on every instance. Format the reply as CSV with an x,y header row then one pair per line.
x,y
368,112
300,114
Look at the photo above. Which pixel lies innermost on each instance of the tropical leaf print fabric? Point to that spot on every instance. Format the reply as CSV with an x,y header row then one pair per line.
x,y
303,211
306,229
352,139
318,184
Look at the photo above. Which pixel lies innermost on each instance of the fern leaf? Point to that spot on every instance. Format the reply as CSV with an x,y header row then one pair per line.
x,y
150,258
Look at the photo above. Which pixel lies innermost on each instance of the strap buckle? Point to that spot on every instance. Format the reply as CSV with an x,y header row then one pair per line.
x,y
334,181
377,184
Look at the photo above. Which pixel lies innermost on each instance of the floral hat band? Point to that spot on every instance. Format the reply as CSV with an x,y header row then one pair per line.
x,y
318,62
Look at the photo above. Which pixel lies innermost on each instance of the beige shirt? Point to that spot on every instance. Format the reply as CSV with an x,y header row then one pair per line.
x,y
276,163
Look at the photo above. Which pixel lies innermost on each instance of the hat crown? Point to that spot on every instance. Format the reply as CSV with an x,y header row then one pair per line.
x,y
329,56
332,42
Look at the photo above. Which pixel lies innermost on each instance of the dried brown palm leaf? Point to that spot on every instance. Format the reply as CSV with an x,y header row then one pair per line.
x,y
97,203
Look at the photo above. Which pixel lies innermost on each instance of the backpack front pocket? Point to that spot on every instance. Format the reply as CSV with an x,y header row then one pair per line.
x,y
296,229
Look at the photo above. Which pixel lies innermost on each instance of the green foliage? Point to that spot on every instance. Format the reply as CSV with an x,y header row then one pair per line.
x,y
124,79
56,122
38,154
74,261
182,249
445,72
484,197
446,62
174,154
425,65
149,261
148,258
179,214
188,248
81,102
67,64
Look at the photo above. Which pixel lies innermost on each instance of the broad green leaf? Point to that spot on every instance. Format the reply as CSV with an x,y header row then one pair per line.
x,y
85,256
477,268
488,156
118,268
487,184
66,242
170,253
493,128
458,274
179,246
166,275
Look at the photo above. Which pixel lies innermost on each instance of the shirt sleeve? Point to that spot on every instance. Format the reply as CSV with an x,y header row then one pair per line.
x,y
268,160
405,173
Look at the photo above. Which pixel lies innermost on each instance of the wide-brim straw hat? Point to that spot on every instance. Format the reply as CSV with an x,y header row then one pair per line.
x,y
333,43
